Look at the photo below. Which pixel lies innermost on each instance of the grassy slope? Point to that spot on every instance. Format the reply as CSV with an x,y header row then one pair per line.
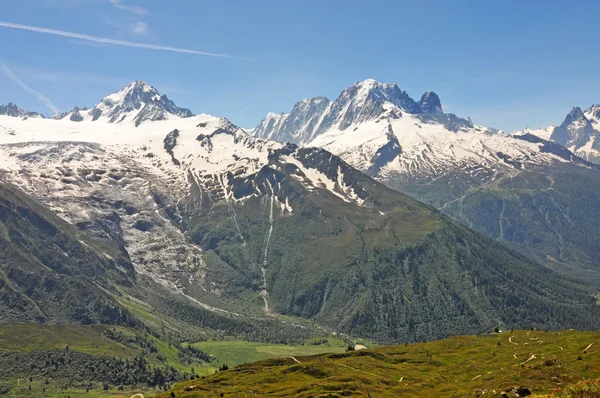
x,y
28,337
583,389
235,352
454,367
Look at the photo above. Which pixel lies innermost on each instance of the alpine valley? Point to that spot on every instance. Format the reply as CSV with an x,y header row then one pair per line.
x,y
135,213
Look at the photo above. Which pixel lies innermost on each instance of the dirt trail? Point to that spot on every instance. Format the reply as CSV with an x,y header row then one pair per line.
x,y
452,201
295,360
512,342
532,357
586,348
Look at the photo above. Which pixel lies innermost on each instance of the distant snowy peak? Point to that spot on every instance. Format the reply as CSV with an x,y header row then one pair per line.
x,y
13,110
362,102
74,115
367,100
379,129
542,132
137,102
298,126
572,129
270,125
593,115
371,92
577,133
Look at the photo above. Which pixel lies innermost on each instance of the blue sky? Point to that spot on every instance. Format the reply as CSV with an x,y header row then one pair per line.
x,y
511,64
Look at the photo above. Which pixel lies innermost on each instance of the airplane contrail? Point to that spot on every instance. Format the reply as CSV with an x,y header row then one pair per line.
x,y
9,73
113,41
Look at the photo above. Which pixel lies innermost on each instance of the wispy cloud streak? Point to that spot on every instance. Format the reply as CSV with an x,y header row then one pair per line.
x,y
9,73
113,41
133,9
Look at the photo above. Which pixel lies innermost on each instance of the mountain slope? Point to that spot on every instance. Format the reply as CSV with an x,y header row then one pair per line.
x,y
48,273
230,231
488,180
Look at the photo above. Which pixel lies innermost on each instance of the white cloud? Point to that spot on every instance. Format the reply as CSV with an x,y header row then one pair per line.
x,y
127,25
139,28
9,73
137,10
114,42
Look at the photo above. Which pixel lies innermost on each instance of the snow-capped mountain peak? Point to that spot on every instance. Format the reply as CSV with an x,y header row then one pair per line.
x,y
137,102
575,114
363,101
12,110
133,95
575,131
361,90
371,93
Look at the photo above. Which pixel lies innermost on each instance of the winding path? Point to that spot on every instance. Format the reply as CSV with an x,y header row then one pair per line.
x,y
532,357
295,360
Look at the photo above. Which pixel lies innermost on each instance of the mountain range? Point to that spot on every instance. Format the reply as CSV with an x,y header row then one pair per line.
x,y
210,226
524,189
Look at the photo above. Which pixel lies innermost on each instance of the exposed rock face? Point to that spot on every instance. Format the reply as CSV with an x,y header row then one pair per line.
x,y
14,111
300,125
430,103
76,116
